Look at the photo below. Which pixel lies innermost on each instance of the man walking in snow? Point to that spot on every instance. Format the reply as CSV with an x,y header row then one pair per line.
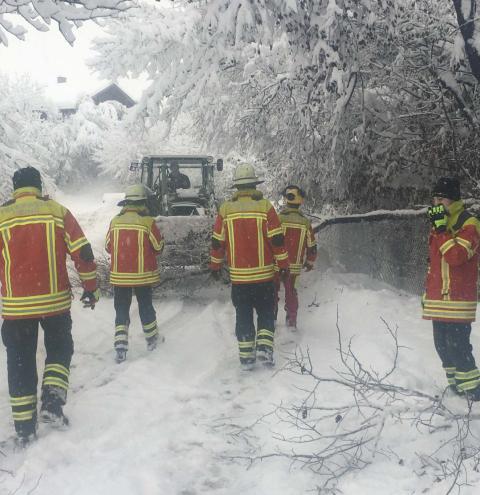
x,y
248,231
450,300
134,241
36,234
299,241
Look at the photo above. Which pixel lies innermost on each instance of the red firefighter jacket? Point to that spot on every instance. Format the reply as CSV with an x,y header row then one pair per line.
x,y
36,234
299,239
134,241
244,229
451,285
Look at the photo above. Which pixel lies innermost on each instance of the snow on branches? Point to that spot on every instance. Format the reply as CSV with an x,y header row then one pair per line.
x,y
66,13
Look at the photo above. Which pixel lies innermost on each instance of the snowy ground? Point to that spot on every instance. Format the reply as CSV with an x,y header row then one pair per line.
x,y
175,421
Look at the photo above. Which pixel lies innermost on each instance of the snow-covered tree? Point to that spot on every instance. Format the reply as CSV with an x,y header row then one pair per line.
x,y
349,98
67,14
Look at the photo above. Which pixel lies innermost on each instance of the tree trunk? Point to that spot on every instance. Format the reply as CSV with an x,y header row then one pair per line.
x,y
466,22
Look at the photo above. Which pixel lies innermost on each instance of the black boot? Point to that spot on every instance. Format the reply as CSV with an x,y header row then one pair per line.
x,y
51,412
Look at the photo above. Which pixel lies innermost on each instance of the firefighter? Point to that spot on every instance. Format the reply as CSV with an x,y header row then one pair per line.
x,y
36,234
301,247
450,300
248,231
134,241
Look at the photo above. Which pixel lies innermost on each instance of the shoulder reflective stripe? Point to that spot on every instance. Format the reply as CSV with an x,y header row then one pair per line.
x,y
32,219
447,245
7,262
260,243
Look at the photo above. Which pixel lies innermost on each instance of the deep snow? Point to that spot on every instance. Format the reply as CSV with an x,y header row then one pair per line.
x,y
167,422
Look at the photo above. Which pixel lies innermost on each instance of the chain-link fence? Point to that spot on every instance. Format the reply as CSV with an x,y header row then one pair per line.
x,y
391,247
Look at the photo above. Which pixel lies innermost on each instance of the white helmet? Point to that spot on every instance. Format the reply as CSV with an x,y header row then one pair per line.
x,y
136,192
245,174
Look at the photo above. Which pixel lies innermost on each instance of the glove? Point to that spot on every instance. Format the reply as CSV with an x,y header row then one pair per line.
x,y
438,217
308,266
90,298
215,274
283,274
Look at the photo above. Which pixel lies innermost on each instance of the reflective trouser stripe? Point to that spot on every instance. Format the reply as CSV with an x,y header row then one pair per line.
x,y
56,375
467,380
121,337
150,329
265,338
450,372
23,408
246,350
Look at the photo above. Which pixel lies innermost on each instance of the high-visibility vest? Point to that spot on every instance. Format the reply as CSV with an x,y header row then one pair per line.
x,y
244,229
299,239
134,241
451,284
36,234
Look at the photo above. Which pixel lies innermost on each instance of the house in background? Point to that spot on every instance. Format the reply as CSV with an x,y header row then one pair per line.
x,y
66,97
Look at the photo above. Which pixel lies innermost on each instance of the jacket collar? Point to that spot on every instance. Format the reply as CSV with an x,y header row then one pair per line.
x,y
248,193
133,208
454,211
27,192
289,209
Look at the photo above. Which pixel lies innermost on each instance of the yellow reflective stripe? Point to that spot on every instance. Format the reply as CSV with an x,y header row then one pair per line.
x,y
55,382
244,354
65,294
290,225
273,232
23,416
87,275
35,310
445,269
467,245
119,328
156,244
58,368
447,245
246,215
51,253
140,253
251,278
467,375
265,342
265,333
115,250
450,370
150,325
134,275
107,239
33,219
301,245
266,268
74,246
7,262
231,236
450,303
216,260
221,236
470,385
24,400
140,228
260,244
449,314
247,344
150,333
310,239
280,257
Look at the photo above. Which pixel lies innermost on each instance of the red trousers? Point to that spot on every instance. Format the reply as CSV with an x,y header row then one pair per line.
x,y
291,298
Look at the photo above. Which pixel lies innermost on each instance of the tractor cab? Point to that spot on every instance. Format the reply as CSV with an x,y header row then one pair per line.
x,y
182,185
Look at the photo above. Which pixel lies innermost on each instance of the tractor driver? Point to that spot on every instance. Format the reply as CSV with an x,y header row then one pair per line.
x,y
177,180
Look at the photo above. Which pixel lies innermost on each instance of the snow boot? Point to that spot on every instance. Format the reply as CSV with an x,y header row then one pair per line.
x,y
121,355
265,357
52,414
154,340
247,364
453,390
473,395
23,441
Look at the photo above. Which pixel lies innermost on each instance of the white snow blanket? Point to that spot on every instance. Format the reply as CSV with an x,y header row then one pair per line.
x,y
168,422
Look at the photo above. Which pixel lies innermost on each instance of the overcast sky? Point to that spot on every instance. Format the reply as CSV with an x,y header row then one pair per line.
x,y
44,56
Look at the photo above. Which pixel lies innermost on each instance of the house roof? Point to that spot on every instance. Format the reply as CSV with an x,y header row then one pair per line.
x,y
113,92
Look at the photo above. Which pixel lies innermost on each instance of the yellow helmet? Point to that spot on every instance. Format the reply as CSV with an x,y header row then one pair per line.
x,y
136,192
294,195
245,174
